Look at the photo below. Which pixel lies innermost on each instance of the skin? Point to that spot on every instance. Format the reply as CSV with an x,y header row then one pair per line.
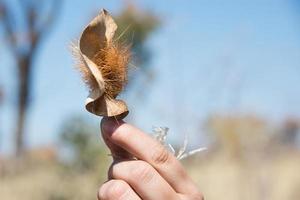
x,y
142,168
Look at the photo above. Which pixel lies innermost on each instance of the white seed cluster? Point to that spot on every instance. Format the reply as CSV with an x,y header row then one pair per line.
x,y
160,134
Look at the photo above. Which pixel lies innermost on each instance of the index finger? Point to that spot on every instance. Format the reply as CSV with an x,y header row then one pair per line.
x,y
144,147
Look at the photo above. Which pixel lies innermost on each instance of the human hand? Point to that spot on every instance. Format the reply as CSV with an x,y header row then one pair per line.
x,y
142,169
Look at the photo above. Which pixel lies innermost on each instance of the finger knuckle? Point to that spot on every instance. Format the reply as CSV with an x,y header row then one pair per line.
x,y
115,189
160,155
142,172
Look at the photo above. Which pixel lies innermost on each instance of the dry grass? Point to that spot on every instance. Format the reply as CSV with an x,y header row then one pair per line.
x,y
218,176
221,177
40,180
48,183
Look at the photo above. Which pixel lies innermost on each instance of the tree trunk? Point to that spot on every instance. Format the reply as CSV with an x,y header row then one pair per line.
x,y
24,73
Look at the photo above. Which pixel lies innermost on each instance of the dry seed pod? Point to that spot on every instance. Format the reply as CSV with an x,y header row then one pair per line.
x,y
103,64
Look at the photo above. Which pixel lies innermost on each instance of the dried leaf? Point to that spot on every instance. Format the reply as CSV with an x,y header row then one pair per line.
x,y
103,64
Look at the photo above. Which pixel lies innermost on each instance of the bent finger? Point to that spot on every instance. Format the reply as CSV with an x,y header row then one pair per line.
x,y
144,147
144,179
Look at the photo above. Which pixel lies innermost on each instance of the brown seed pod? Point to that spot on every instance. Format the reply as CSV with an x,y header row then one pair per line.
x,y
103,64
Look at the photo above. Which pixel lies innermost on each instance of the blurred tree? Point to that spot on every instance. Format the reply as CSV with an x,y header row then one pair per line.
x,y
134,28
25,25
80,137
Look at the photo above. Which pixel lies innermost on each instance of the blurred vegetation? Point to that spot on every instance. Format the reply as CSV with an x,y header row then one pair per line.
x,y
73,171
135,27
82,142
24,27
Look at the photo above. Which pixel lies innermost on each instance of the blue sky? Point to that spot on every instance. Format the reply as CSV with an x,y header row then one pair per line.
x,y
209,57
